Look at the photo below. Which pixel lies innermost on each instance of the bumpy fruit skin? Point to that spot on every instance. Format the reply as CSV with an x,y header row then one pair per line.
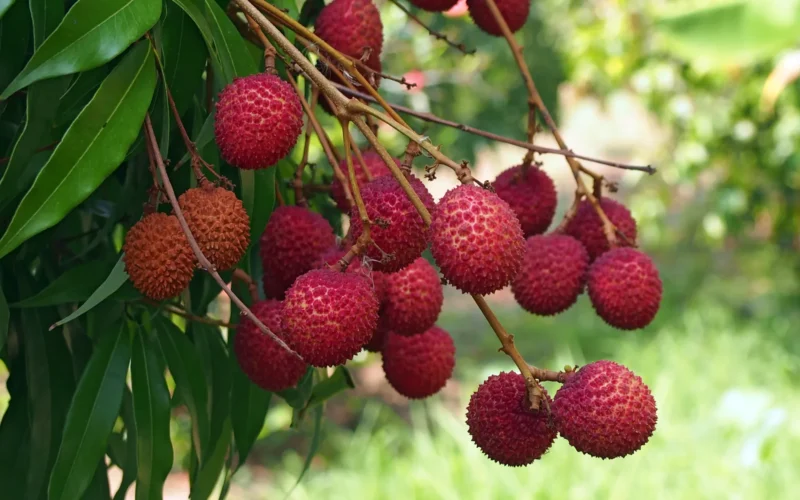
x,y
587,228
328,316
605,410
552,275
398,229
158,258
219,223
413,298
476,240
350,26
375,165
292,241
434,5
501,424
532,196
267,364
420,365
375,344
259,118
625,288
331,256
514,12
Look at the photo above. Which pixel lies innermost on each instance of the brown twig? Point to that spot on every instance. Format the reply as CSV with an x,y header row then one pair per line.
x,y
299,194
365,239
191,317
269,50
252,286
431,31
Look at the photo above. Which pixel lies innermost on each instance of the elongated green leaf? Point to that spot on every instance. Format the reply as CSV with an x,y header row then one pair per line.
x,y
258,198
98,489
208,475
152,410
92,33
297,397
214,356
195,10
127,455
45,15
91,416
113,281
91,149
76,284
249,405
4,5
15,433
15,33
4,317
316,438
232,56
341,380
184,55
80,90
203,137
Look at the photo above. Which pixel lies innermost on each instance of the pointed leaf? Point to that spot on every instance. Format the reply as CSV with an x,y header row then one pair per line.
x,y
214,357
76,284
195,9
45,15
183,55
341,380
208,475
316,438
129,446
249,405
258,198
4,5
232,56
113,281
15,33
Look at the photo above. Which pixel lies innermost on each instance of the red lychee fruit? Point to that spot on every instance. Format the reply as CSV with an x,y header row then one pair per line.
x,y
605,410
292,240
259,118
157,256
502,425
413,299
625,288
476,240
218,222
333,255
375,165
420,365
552,275
434,5
399,234
531,195
514,12
587,228
375,344
352,27
266,364
328,316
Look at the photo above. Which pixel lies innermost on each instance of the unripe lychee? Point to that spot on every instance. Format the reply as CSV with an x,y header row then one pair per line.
x,y
552,275
625,288
434,5
531,195
375,344
514,12
351,27
476,239
375,165
605,410
328,316
502,425
218,222
413,298
259,118
157,256
398,232
587,228
420,365
292,240
266,363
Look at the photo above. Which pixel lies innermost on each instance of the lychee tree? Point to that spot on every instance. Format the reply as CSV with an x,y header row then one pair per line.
x,y
153,166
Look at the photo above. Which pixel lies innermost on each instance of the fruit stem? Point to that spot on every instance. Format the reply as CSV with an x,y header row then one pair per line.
x,y
435,34
299,193
269,50
252,286
360,159
191,317
365,239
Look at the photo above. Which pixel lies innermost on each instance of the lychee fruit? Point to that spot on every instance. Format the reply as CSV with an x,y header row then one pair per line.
x,y
375,165
531,194
266,363
514,12
352,27
552,275
434,5
420,365
292,240
375,344
413,299
330,258
503,426
157,256
625,288
328,316
399,234
605,410
476,240
259,118
587,228
218,222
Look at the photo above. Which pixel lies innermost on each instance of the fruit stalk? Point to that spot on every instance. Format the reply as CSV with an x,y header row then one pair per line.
x,y
364,240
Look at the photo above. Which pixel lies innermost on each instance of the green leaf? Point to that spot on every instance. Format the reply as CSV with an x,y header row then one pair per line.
x,y
4,5
15,33
310,11
214,357
258,198
113,281
232,57
98,489
127,455
45,15
92,148
5,317
336,383
184,56
92,33
207,477
249,405
297,397
203,137
316,438
194,9
15,433
91,416
76,284
152,412
80,90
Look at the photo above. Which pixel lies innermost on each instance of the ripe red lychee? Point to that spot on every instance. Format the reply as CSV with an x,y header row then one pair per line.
x,y
218,222
420,365
434,5
259,118
587,228
375,165
398,233
333,255
531,195
352,27
375,344
502,425
328,316
552,275
476,240
605,410
625,288
514,12
157,256
266,363
413,298
292,240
